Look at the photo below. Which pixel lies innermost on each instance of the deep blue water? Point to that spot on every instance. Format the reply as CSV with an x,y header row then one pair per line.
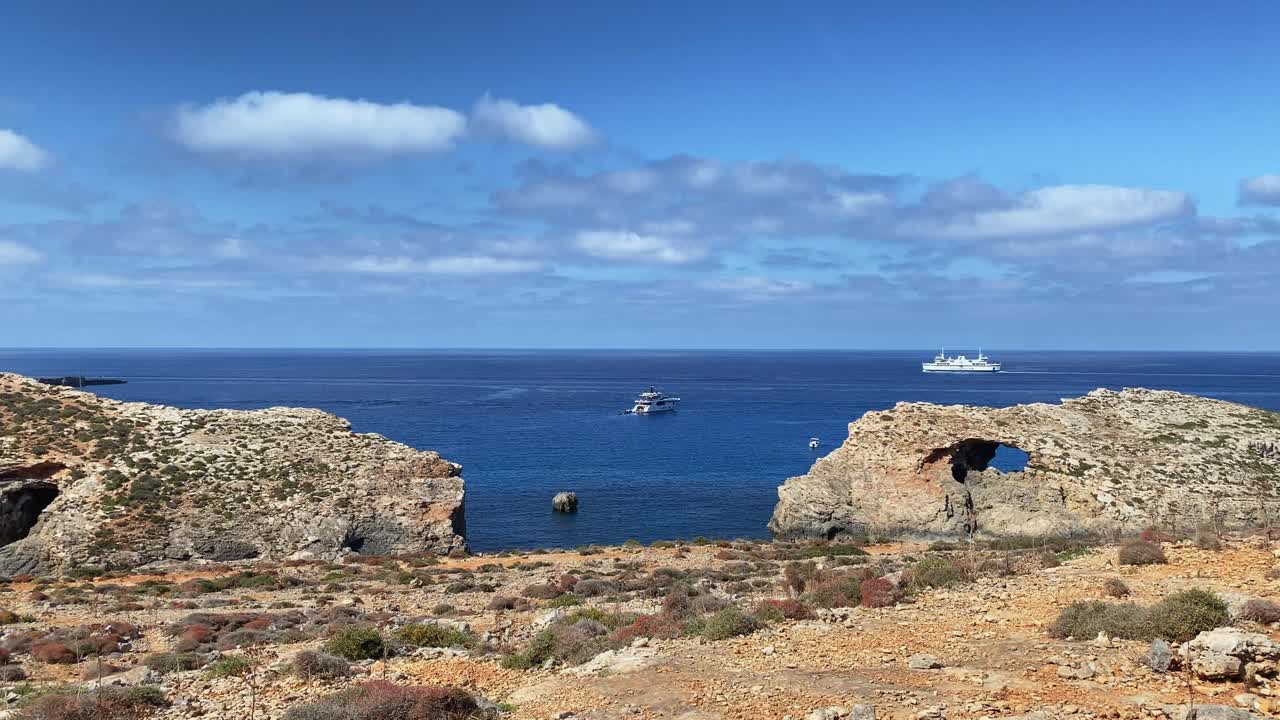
x,y
526,424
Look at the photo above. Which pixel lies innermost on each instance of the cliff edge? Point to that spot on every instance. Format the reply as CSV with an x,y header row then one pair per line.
x,y
1110,459
89,481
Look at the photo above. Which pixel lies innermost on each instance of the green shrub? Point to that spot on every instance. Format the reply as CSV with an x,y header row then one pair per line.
x,y
563,601
932,572
229,666
1142,552
358,643
175,661
1084,620
833,592
569,644
1183,615
431,635
610,620
727,623
1177,618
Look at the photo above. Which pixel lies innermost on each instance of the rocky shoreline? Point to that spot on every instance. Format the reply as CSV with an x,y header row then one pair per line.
x,y
1104,463
86,481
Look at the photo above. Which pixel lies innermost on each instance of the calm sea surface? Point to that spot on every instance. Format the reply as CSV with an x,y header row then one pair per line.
x,y
526,424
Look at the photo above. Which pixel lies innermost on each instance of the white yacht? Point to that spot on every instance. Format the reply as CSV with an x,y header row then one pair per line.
x,y
653,401
960,363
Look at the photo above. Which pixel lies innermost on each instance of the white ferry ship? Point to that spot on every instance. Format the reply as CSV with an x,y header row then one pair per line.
x,y
653,401
960,363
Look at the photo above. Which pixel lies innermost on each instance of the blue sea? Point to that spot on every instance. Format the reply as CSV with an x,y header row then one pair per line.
x,y
526,424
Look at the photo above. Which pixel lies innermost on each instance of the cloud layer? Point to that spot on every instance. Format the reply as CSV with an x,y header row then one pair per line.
x,y
19,153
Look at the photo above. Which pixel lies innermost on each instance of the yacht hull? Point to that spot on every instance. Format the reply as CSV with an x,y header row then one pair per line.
x,y
652,411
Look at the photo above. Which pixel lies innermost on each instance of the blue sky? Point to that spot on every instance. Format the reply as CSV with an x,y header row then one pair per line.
x,y
1021,175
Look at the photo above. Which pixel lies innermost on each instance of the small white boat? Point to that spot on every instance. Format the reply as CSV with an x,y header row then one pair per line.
x,y
814,442
652,401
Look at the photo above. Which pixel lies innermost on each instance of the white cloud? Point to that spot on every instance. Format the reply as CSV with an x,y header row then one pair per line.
x,y
19,153
623,245
1057,210
12,253
547,126
231,248
758,288
1260,190
856,204
450,265
633,181
299,124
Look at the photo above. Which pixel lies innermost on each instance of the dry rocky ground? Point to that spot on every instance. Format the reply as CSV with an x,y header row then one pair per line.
x,y
971,636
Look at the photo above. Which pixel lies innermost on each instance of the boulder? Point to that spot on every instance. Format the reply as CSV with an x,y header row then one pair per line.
x,y
1160,656
565,502
923,662
1224,653
618,662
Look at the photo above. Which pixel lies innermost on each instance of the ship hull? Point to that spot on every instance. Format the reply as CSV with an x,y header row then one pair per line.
x,y
930,367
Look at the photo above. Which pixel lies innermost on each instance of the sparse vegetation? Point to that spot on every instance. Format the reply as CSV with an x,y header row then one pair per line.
x,y
1177,618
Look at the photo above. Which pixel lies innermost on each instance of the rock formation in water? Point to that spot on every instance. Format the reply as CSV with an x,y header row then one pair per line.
x,y
89,481
1126,459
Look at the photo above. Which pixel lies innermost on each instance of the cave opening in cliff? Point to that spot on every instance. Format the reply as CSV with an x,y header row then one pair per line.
x,y
978,455
20,509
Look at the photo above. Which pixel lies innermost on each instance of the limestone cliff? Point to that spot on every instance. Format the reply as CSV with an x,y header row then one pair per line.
x,y
1108,459
86,480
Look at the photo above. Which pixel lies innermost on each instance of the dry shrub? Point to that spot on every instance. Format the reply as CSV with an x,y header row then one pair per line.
x,y
53,652
104,704
789,609
593,588
1207,539
658,625
1142,552
878,592
313,664
1115,587
1152,535
381,700
542,591
1260,610
566,582
796,576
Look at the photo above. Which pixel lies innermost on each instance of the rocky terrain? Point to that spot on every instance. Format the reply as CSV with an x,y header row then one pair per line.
x,y
88,482
740,630
1104,462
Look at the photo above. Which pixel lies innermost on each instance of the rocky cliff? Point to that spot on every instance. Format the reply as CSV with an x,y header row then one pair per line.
x,y
1106,460
88,481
